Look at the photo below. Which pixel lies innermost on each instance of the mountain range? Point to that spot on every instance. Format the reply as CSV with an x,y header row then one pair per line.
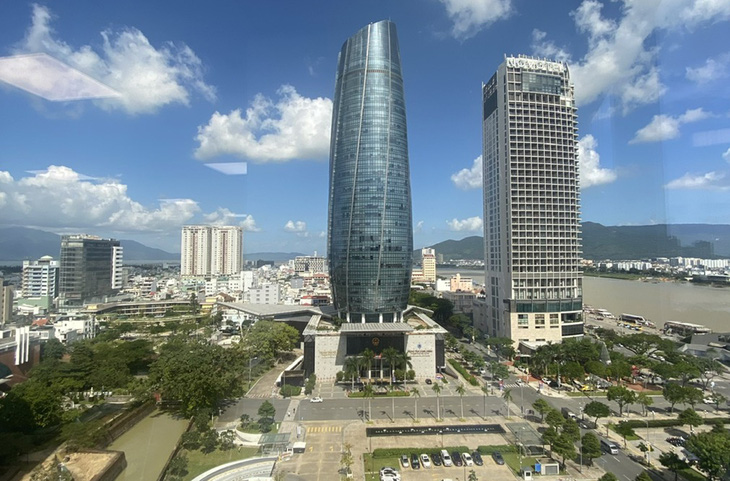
x,y
599,242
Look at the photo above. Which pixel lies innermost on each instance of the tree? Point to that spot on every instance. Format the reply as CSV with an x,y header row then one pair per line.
x,y
542,407
564,447
391,355
368,355
269,338
227,439
472,476
596,367
498,370
178,466
549,436
571,429
503,346
673,393
590,447
597,410
673,462
53,349
416,394
713,452
197,374
621,395
644,400
507,397
690,418
554,419
267,410
209,441
572,370
194,305
624,429
437,389
692,396
460,390
642,344
717,399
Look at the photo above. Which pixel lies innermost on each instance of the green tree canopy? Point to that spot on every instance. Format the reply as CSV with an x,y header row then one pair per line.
x,y
673,462
590,447
690,417
713,452
597,410
621,395
268,339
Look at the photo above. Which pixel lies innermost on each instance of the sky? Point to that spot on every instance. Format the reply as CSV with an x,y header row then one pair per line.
x,y
131,119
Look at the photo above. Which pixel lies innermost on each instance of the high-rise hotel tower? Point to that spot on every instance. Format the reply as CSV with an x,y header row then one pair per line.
x,y
532,231
370,234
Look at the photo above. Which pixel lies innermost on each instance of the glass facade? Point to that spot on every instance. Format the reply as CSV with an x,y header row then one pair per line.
x,y
86,268
370,235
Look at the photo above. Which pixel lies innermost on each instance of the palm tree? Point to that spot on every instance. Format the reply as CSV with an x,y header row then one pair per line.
x,y
507,397
368,355
416,394
437,389
368,393
391,355
404,360
352,369
461,391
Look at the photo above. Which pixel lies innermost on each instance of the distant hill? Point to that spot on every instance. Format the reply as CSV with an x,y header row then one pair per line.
x,y
272,256
622,242
20,243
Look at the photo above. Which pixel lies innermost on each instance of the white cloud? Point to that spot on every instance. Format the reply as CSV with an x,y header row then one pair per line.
x,y
294,127
665,127
620,60
298,227
709,181
591,172
726,155
470,16
223,216
59,197
713,69
547,48
145,77
470,224
471,178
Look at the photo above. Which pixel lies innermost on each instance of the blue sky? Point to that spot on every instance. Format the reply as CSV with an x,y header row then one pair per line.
x,y
157,109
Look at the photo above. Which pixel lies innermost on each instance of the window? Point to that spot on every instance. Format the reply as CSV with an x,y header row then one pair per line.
x,y
540,321
522,321
554,320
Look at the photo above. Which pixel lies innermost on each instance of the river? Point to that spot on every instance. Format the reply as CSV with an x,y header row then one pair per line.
x,y
658,302
148,445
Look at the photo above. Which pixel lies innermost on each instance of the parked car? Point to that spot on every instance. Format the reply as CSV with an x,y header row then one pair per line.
x,y
446,458
404,461
429,381
466,457
436,459
389,474
477,458
425,461
316,399
415,464
456,458
497,457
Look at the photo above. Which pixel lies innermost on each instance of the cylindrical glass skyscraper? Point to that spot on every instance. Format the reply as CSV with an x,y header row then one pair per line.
x,y
370,234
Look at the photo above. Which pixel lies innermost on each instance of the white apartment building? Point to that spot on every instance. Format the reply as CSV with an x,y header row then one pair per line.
x,y
211,250
266,293
531,203
226,250
312,264
427,272
40,278
117,267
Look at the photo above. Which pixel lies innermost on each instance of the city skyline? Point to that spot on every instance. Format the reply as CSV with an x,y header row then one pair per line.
x,y
139,160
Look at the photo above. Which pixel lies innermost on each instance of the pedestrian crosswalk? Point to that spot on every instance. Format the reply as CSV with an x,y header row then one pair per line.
x,y
324,429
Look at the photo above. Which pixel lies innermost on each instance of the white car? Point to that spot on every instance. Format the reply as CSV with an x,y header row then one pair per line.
x,y
389,474
519,382
425,460
316,399
709,400
466,457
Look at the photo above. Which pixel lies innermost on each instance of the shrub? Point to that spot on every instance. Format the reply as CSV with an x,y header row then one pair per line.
x,y
288,390
312,380
469,378
340,376
390,452
507,448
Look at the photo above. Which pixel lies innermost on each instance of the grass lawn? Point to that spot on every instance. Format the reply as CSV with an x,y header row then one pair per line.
x,y
373,465
199,462
513,461
692,475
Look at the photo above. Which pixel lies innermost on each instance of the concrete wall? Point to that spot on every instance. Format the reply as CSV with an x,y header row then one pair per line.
x,y
421,347
330,349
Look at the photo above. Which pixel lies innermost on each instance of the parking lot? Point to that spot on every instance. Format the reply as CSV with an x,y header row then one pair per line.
x,y
490,471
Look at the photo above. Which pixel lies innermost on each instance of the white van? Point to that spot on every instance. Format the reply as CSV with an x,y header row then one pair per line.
x,y
609,447
446,458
